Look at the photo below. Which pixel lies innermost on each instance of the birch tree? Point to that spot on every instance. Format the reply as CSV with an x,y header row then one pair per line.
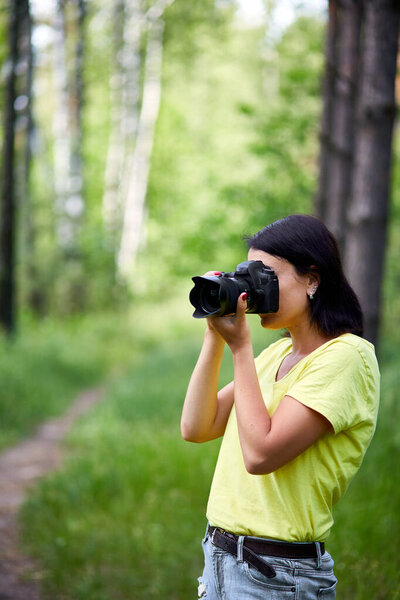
x,y
139,166
124,102
137,185
67,126
61,131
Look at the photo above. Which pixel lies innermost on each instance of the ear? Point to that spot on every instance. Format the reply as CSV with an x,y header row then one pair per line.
x,y
313,275
313,280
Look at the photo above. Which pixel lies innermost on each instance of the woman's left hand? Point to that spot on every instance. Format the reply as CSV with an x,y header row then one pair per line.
x,y
234,328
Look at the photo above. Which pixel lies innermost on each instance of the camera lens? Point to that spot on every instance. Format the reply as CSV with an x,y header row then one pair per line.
x,y
210,297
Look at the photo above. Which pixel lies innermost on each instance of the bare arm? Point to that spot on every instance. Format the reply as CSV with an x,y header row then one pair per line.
x,y
267,443
205,410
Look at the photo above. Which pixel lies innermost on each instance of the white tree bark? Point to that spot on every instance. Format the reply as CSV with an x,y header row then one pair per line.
x,y
132,231
115,151
124,102
61,129
67,129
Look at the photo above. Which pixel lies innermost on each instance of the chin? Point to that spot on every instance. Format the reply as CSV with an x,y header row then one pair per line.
x,y
267,321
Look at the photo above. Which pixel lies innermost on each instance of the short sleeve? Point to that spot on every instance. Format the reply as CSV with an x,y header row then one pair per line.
x,y
339,383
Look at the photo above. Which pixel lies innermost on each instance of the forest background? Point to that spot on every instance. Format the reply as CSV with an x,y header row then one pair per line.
x,y
233,147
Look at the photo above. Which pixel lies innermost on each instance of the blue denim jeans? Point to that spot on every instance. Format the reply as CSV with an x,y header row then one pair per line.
x,y
227,577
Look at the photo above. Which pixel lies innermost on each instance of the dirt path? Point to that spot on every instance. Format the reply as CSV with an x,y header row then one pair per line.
x,y
20,467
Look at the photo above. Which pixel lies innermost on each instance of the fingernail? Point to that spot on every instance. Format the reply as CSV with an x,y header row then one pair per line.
x,y
217,273
244,296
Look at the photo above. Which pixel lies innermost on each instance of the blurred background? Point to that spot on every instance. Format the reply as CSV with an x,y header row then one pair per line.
x,y
141,140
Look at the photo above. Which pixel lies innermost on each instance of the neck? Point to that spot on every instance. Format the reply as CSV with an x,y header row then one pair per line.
x,y
306,338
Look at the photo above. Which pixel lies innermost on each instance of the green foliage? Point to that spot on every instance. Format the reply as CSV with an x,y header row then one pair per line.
x,y
232,150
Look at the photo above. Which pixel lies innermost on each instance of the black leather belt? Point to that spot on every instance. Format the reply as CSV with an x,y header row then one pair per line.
x,y
251,547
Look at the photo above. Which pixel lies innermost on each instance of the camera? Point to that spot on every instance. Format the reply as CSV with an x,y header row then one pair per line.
x,y
218,295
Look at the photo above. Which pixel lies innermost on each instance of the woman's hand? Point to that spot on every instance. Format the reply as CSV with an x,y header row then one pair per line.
x,y
234,329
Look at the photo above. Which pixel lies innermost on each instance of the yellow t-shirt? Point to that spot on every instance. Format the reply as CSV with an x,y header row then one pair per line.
x,y
340,380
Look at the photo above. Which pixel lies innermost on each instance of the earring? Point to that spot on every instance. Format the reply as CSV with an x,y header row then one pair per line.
x,y
311,294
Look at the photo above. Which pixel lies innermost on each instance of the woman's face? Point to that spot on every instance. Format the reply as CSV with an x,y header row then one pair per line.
x,y
294,304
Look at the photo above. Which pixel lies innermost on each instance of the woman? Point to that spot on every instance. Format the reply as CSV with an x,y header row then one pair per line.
x,y
296,422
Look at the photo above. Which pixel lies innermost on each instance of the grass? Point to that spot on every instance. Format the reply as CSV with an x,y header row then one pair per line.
x,y
123,519
43,368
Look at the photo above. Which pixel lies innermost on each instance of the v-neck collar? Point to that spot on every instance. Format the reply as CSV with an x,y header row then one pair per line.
x,y
289,349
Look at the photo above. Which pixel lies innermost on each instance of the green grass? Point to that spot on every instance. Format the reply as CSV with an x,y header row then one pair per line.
x,y
127,511
43,368
124,517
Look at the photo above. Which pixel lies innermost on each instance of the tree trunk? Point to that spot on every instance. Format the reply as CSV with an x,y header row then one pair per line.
x,y
328,102
338,184
134,208
115,152
368,211
125,96
61,129
75,203
338,123
8,201
34,292
125,104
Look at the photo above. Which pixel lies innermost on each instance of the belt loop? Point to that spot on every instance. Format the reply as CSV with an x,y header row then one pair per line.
x,y
240,548
318,549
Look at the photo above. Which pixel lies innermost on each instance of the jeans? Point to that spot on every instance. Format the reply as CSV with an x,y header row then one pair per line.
x,y
227,577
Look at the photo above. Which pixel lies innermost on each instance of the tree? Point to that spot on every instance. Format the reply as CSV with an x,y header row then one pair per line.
x,y
139,164
67,124
18,9
356,139
132,228
116,146
337,131
369,205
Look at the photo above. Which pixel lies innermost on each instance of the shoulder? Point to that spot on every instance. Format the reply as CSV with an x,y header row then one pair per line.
x,y
350,349
341,380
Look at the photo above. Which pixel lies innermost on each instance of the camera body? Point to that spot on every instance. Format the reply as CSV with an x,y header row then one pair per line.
x,y
218,295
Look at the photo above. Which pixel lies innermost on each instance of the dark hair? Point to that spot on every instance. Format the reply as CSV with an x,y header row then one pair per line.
x,y
306,242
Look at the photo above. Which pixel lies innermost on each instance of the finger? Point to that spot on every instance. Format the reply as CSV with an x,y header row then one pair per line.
x,y
210,273
242,304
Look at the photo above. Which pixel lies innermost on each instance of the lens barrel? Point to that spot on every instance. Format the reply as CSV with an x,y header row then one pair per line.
x,y
215,296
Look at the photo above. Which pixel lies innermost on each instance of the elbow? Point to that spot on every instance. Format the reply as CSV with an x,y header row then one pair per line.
x,y
190,435
259,465
258,469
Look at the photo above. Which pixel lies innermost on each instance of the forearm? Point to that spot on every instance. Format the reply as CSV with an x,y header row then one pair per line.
x,y
201,401
254,422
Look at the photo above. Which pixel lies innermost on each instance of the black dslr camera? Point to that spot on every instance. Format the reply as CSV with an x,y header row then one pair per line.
x,y
218,295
